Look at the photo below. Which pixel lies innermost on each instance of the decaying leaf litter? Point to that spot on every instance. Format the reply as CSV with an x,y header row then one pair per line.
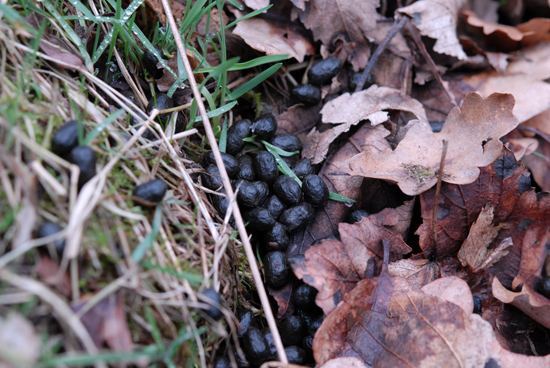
x,y
410,284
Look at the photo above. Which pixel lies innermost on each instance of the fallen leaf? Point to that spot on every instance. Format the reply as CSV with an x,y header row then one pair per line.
x,y
535,31
55,48
437,19
18,341
350,18
451,289
106,322
348,110
528,301
498,37
346,362
48,271
283,297
418,272
539,165
473,133
167,80
274,38
298,119
256,4
335,267
523,77
475,251
505,185
523,146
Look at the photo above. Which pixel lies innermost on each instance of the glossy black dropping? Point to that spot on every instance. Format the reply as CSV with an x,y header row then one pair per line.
x,y
231,164
252,194
270,342
266,167
161,102
303,168
306,94
255,347
287,142
277,269
66,138
478,304
150,62
304,315
222,362
85,158
357,216
288,190
264,127
297,217
220,203
323,72
211,178
293,330
304,296
543,286
307,345
212,298
315,190
152,191
277,238
259,219
246,320
49,228
314,326
275,206
296,355
246,168
235,135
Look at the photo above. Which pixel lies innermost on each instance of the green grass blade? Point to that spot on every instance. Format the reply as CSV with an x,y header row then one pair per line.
x,y
70,32
217,112
106,357
282,164
193,279
83,9
108,40
151,48
249,64
339,198
223,137
253,82
98,129
248,16
139,252
280,151
218,70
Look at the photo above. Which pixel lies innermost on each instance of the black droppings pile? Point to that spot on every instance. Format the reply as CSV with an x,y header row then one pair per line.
x,y
275,206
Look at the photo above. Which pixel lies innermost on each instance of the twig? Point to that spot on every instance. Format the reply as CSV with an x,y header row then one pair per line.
x,y
381,47
415,35
227,185
437,192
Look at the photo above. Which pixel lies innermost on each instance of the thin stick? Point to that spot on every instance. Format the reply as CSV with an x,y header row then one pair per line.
x,y
437,192
227,185
381,47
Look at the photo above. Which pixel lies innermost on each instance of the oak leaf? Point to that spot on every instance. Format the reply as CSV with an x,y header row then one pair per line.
x,y
473,133
506,186
437,19
335,267
274,38
348,110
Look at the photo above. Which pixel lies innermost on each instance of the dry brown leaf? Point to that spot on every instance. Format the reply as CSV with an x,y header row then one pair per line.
x,y
335,267
256,4
274,38
54,48
352,19
418,272
540,165
451,289
524,78
350,109
506,185
346,362
475,251
473,133
437,19
528,301
535,31
49,272
106,323
167,80
497,36
523,146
